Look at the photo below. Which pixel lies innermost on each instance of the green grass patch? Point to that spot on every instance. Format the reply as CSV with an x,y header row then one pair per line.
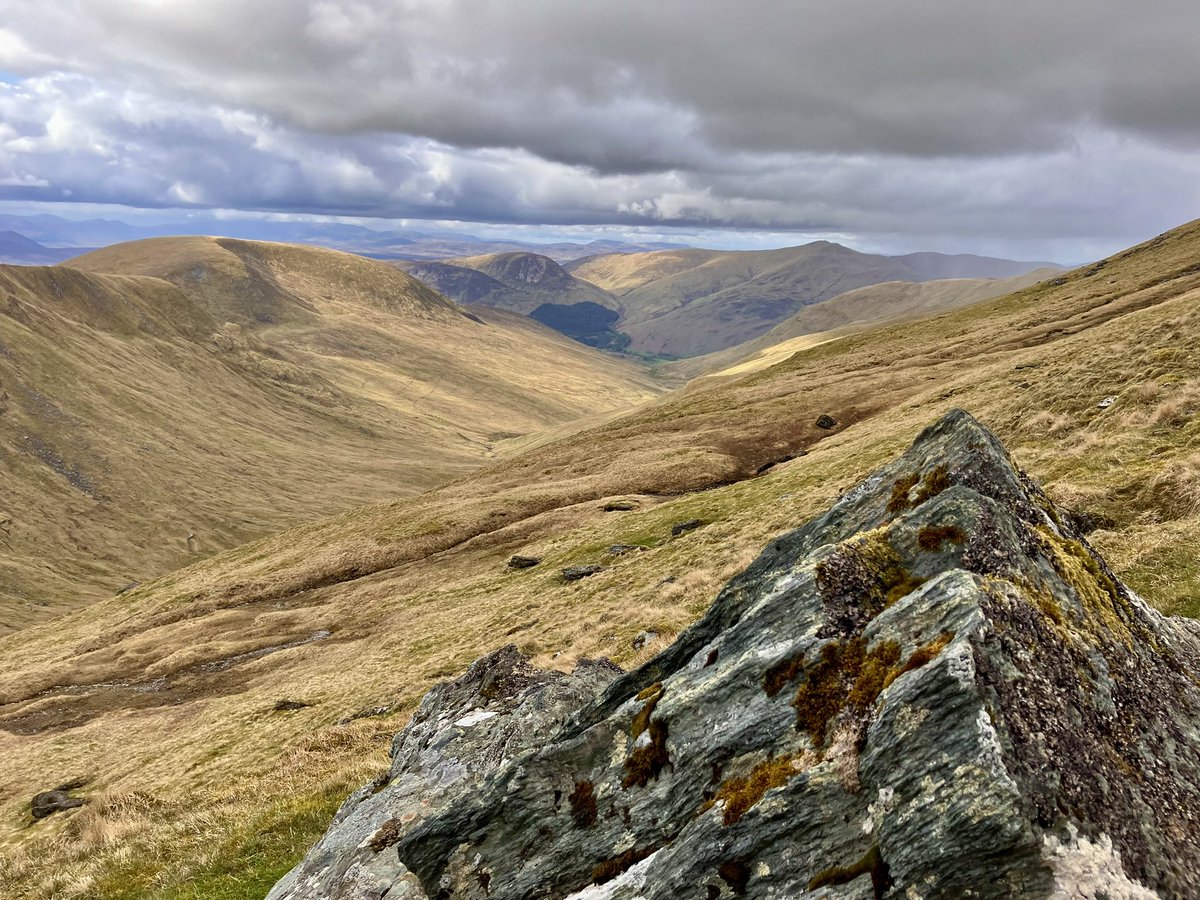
x,y
246,865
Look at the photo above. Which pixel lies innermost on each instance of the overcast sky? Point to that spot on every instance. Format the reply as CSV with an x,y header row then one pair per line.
x,y
1061,129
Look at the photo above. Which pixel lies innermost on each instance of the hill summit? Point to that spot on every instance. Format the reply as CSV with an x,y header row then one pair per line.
x,y
936,688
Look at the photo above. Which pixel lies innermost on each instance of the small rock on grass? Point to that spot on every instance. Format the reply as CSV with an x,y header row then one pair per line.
x,y
622,549
523,562
58,800
643,638
683,527
575,573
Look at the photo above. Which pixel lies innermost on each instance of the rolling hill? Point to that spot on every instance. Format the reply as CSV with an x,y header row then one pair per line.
x,y
167,399
167,699
531,284
683,303
851,311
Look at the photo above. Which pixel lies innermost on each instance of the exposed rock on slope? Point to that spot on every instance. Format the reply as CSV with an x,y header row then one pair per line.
x,y
935,689
464,730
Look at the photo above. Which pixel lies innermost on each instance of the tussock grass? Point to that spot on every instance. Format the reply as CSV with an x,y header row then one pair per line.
x,y
412,591
229,389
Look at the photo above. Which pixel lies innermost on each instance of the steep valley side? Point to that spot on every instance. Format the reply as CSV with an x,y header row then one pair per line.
x,y
166,698
187,395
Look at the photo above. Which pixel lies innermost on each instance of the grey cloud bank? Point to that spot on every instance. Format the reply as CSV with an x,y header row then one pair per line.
x,y
1020,128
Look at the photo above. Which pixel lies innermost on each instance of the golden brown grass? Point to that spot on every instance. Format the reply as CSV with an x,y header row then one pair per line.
x,y
412,591
688,302
850,313
285,384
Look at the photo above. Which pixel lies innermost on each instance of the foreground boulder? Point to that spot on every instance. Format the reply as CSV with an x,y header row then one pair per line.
x,y
936,689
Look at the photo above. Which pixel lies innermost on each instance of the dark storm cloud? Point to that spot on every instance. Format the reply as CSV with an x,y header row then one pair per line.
x,y
927,117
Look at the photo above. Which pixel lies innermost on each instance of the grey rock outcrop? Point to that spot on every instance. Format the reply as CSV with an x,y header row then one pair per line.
x,y
577,573
935,689
463,731
523,562
684,527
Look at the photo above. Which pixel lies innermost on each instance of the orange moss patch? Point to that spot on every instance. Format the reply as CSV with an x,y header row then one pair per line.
x,y
741,794
924,654
779,675
899,500
650,757
846,676
935,482
583,804
611,868
641,720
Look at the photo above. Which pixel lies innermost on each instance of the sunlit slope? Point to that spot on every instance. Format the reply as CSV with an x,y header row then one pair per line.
x,y
149,422
164,696
852,311
693,302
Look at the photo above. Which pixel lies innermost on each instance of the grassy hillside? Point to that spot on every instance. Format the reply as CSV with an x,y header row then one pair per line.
x,y
850,312
222,390
531,284
164,697
693,302
533,280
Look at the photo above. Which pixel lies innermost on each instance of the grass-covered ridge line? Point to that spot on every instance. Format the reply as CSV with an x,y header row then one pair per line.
x,y
413,591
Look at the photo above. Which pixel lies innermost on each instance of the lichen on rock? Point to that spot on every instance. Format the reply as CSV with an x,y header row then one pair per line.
x,y
935,689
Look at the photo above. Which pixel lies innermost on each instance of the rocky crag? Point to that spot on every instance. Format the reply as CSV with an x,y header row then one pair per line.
x,y
936,689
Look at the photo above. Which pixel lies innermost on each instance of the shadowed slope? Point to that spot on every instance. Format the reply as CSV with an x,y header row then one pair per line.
x,y
531,284
17,249
534,280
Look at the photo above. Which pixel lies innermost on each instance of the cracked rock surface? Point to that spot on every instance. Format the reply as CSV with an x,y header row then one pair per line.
x,y
935,689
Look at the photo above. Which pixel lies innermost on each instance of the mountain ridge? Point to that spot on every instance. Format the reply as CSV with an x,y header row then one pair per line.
x,y
681,303
16,248
150,419
688,303
852,311
402,243
172,688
